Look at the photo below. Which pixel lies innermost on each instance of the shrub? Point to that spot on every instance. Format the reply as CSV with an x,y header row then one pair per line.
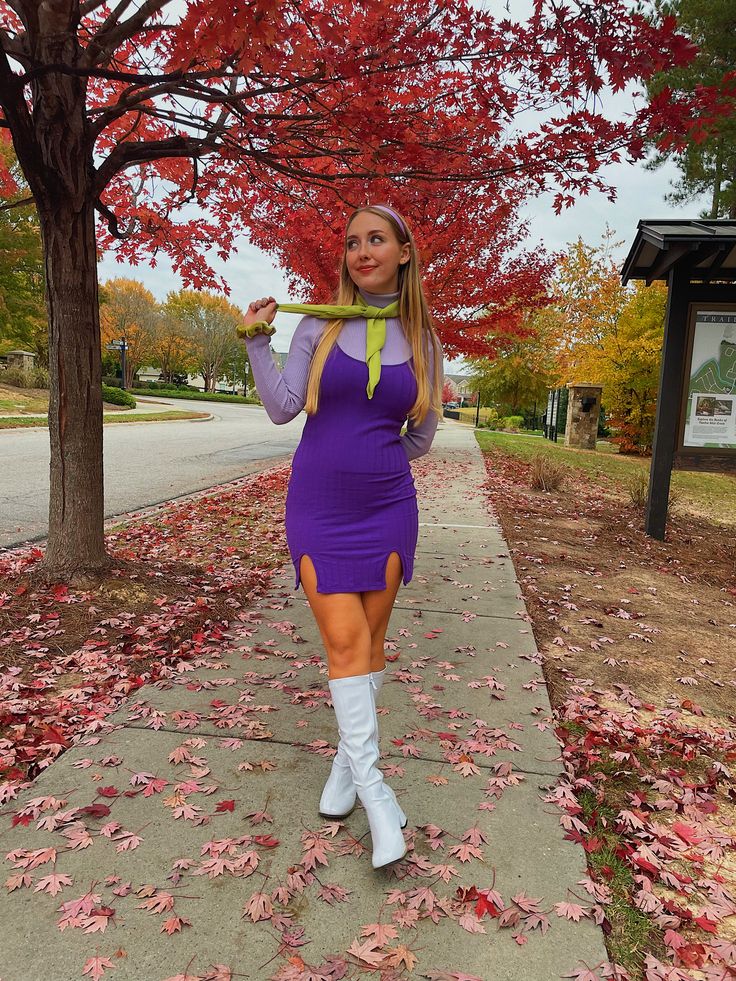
x,y
492,421
512,424
164,386
25,377
638,488
116,396
546,474
197,396
632,437
112,381
40,378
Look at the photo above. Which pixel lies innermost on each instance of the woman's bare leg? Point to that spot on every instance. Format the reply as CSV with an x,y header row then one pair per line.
x,y
342,623
378,605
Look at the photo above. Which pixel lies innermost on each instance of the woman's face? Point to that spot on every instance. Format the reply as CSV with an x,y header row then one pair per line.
x,y
373,253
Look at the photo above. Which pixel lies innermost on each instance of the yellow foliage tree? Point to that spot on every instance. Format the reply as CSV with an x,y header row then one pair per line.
x,y
172,348
518,378
627,365
589,301
209,321
129,311
611,335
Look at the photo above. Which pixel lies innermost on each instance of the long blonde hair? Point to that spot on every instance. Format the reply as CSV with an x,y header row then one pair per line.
x,y
415,321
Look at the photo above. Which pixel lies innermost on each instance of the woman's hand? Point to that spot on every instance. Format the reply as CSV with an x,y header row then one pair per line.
x,y
259,312
264,309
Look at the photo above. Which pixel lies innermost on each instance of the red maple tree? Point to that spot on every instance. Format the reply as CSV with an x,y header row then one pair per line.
x,y
448,391
122,116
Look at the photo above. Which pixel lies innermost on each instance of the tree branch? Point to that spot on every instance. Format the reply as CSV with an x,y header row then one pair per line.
x,y
17,204
112,18
89,5
109,38
112,221
14,47
191,89
117,76
17,116
126,154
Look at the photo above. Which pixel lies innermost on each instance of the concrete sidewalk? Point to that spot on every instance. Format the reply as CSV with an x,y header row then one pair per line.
x,y
207,854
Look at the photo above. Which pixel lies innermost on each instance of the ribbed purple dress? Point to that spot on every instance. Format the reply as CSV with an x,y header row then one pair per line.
x,y
351,498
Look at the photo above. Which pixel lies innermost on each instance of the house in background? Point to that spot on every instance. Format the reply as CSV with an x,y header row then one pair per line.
x,y
462,385
148,374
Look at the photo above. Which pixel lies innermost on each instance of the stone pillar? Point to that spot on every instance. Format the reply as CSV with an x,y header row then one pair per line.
x,y
583,409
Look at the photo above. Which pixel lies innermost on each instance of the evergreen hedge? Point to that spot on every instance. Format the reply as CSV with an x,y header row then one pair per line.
x,y
116,396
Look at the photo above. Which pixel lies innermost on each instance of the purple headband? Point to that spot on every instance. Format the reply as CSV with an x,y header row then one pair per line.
x,y
399,222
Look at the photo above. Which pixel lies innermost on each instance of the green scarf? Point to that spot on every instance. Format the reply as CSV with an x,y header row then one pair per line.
x,y
375,336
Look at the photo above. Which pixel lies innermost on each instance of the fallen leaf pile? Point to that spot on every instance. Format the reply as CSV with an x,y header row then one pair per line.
x,y
70,655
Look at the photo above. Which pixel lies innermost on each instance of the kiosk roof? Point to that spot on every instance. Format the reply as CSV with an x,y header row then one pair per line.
x,y
705,249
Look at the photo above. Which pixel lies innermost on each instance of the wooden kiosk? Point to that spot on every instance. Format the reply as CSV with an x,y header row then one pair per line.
x,y
695,426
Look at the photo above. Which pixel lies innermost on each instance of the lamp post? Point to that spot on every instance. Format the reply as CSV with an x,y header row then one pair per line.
x,y
477,410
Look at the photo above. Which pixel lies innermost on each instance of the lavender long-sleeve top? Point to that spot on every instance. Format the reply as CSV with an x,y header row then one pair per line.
x,y
284,393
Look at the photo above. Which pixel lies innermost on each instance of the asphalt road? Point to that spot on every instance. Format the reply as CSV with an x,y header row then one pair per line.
x,y
145,463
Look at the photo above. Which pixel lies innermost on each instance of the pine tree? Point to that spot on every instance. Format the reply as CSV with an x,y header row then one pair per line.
x,y
707,162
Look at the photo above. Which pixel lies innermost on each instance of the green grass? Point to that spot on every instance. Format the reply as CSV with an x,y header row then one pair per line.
x,y
633,933
16,400
710,494
468,413
21,423
156,416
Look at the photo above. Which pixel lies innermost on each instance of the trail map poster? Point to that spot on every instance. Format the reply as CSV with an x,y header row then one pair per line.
x,y
710,419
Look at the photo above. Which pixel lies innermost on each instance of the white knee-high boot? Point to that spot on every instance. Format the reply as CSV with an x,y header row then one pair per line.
x,y
338,797
356,720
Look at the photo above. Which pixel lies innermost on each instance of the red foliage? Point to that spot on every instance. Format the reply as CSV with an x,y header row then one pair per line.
x,y
275,119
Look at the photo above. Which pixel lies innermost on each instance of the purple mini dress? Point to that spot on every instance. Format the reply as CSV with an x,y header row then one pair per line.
x,y
351,498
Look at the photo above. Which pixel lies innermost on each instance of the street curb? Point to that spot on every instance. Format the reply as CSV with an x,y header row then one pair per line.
x,y
141,417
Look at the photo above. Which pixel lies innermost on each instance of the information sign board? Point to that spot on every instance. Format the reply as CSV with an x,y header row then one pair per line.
x,y
710,411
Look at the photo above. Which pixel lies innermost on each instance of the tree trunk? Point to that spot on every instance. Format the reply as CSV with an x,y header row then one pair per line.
x,y
76,516
130,370
54,145
715,205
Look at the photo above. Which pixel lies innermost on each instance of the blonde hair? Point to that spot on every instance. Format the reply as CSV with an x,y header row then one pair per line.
x,y
415,319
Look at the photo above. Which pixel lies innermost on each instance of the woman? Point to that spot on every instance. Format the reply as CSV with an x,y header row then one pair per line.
x,y
351,507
